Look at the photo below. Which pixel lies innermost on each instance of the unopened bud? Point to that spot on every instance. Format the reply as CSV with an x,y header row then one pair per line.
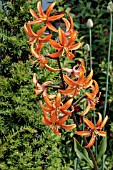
x,y
89,23
110,7
87,47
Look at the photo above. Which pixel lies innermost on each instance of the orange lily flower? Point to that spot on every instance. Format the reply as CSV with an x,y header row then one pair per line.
x,y
40,58
75,86
69,25
94,129
53,122
33,36
75,71
40,88
45,17
65,45
57,105
92,96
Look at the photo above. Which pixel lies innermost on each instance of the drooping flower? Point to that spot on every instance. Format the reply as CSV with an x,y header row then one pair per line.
x,y
66,44
54,121
74,86
57,105
94,129
40,88
92,97
40,58
45,17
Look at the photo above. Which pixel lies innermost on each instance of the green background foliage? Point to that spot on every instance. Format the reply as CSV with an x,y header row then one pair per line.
x,y
25,142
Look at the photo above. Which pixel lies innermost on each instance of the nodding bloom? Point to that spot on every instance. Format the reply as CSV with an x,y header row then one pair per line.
x,y
95,130
40,58
55,109
74,86
42,17
69,26
57,105
66,44
75,71
40,88
92,97
34,36
53,121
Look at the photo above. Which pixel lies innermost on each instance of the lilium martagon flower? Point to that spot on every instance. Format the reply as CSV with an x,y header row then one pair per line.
x,y
57,105
40,58
92,97
95,130
40,88
74,86
45,17
54,121
66,45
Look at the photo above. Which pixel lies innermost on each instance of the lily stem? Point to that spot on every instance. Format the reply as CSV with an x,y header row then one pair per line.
x,y
91,155
107,75
61,74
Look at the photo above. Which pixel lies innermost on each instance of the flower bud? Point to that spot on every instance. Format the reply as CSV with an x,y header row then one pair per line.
x,y
110,7
89,23
87,47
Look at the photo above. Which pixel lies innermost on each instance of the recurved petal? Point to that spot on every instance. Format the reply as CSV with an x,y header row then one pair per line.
x,y
34,78
56,131
40,10
41,31
45,39
54,117
67,112
68,127
51,27
37,21
96,87
50,68
46,120
46,83
48,102
67,104
67,91
50,8
83,133
55,45
58,100
34,52
91,142
69,54
55,17
67,24
62,37
72,39
45,109
102,133
37,92
61,120
34,14
89,77
75,46
86,110
89,123
99,120
104,122
56,55
69,81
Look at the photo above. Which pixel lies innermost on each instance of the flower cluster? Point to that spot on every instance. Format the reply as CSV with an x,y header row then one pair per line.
x,y
76,84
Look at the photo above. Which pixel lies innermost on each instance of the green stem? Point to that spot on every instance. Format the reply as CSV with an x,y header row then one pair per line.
x,y
107,76
90,39
61,74
91,154
74,104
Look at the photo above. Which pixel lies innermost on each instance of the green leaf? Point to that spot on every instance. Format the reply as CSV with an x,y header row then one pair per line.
x,y
82,153
102,148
